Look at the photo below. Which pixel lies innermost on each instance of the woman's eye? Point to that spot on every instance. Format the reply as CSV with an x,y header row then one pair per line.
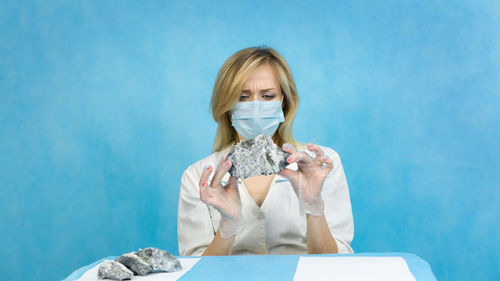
x,y
244,98
268,97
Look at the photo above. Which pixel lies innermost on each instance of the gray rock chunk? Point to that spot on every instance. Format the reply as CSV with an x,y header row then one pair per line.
x,y
255,157
113,270
133,262
160,260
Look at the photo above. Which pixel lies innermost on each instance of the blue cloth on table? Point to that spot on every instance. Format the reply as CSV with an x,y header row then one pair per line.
x,y
268,267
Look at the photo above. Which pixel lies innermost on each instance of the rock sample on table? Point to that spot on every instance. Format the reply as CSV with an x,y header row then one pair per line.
x,y
255,157
136,264
145,261
113,270
160,260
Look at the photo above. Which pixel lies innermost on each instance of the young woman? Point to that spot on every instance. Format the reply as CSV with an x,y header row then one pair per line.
x,y
305,208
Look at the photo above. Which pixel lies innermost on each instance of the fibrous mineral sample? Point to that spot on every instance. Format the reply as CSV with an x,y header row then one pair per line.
x,y
133,262
160,260
255,157
142,263
113,270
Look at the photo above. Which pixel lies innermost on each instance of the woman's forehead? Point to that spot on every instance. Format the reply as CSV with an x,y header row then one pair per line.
x,y
262,77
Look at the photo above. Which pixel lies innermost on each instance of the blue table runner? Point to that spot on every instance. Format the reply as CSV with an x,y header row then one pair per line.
x,y
268,267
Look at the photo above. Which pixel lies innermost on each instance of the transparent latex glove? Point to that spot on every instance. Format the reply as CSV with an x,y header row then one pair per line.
x,y
226,199
308,180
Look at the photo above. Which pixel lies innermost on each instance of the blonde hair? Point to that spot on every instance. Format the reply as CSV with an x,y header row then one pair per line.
x,y
227,90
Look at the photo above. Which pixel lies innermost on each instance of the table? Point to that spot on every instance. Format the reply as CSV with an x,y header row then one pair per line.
x,y
269,267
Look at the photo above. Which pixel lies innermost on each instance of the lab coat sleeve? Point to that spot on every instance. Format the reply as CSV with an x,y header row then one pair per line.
x,y
194,224
338,211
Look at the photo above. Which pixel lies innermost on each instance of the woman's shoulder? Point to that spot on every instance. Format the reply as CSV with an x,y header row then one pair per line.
x,y
210,160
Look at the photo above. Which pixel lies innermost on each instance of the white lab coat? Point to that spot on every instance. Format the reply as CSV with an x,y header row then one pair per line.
x,y
274,228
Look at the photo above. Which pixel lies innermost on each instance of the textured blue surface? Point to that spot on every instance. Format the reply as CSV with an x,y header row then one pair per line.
x,y
271,267
103,104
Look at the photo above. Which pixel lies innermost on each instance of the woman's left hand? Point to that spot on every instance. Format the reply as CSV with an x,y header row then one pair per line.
x,y
307,181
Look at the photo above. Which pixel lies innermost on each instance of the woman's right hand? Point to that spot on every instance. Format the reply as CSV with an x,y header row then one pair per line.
x,y
224,198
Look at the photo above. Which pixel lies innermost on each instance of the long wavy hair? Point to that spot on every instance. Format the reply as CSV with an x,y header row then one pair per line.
x,y
227,90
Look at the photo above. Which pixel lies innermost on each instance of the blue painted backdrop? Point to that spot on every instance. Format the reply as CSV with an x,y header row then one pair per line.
x,y
103,104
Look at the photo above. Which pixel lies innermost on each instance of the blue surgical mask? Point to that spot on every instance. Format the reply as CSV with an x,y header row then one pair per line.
x,y
253,118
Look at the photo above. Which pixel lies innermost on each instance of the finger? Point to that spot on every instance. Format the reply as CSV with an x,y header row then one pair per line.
x,y
232,183
232,188
204,192
299,157
328,163
291,175
218,167
317,151
289,148
223,167
288,173
205,174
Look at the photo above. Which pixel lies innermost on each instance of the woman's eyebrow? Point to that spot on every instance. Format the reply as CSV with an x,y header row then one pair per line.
x,y
246,91
268,89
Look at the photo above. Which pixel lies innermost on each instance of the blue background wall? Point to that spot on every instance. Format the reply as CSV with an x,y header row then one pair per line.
x,y
103,104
